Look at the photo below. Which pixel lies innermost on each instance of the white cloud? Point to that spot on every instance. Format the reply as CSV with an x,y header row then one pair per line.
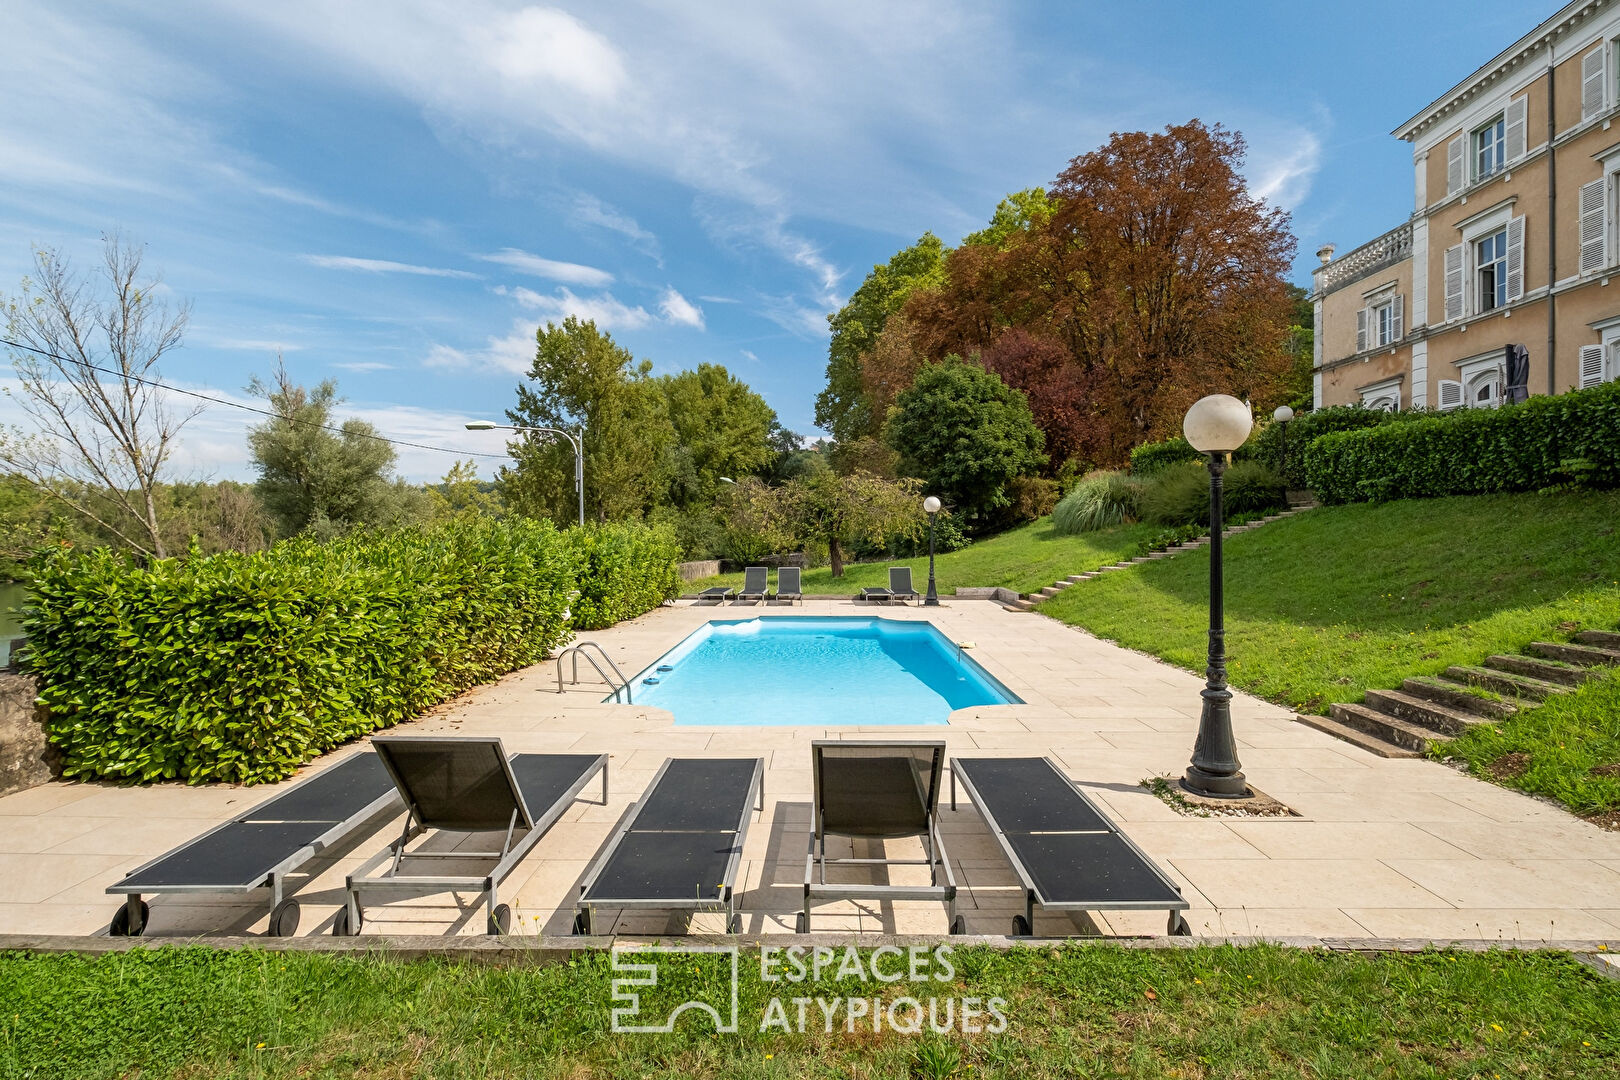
x,y
550,269
1282,175
795,317
513,353
590,210
251,345
604,309
361,367
679,311
748,354
719,300
381,266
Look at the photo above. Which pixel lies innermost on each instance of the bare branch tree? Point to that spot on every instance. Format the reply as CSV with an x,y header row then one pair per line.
x,y
102,429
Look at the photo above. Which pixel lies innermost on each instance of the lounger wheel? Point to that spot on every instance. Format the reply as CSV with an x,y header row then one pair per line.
x,y
284,919
959,925
801,925
122,927
735,925
1178,925
341,927
581,926
1021,927
500,920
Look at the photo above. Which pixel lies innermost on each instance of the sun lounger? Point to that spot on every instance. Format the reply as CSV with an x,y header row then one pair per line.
x,y
873,594
756,583
900,584
679,847
463,785
873,790
787,585
1067,854
718,593
265,844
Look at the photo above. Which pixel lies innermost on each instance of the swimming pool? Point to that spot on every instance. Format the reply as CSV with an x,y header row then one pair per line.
x,y
824,671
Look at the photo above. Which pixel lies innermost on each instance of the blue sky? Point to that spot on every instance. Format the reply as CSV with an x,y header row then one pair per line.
x,y
397,192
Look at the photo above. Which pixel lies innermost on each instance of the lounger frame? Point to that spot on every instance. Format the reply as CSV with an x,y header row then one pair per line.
x,y
902,595
275,877
396,885
763,592
726,900
1032,895
816,886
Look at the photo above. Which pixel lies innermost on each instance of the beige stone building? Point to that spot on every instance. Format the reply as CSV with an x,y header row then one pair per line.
x,y
1514,239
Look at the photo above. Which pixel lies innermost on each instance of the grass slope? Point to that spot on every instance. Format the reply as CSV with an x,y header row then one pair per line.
x,y
1255,1013
1325,605
1025,560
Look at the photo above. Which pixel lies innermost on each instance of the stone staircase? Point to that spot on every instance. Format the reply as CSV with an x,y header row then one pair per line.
x,y
1030,600
1402,723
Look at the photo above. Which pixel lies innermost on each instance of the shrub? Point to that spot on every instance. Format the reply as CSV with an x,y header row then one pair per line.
x,y
243,667
624,570
1100,501
1151,458
1252,487
1031,497
1267,444
1177,495
1546,441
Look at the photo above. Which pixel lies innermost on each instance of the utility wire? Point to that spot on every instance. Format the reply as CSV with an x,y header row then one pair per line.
x,y
239,405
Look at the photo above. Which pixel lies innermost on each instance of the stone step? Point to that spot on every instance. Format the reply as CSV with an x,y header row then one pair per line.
x,y
1357,737
1587,655
1157,555
1421,711
1504,682
1017,605
1603,639
1457,696
1381,725
1072,578
1116,566
1546,670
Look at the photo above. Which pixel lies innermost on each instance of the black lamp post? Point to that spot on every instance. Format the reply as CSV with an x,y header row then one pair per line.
x,y
1216,425
1282,416
931,506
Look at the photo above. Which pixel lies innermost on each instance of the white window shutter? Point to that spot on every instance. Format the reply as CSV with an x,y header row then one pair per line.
x,y
1451,393
1592,68
1515,133
1455,152
1361,329
1396,310
1591,365
1454,282
1515,259
1594,226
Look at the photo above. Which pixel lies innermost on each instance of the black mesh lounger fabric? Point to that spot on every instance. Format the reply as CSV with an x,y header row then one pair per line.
x,y
458,784
698,794
1093,870
875,791
240,855
674,867
545,779
335,795
1028,795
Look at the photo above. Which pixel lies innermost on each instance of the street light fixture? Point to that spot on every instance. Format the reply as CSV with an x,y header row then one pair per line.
x,y
1216,425
931,507
576,442
1282,416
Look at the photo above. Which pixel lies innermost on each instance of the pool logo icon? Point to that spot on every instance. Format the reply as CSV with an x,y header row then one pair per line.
x,y
638,985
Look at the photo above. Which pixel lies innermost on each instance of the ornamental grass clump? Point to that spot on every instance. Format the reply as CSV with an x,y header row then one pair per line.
x,y
243,667
1099,501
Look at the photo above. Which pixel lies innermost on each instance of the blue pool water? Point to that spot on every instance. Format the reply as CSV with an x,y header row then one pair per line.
x,y
822,671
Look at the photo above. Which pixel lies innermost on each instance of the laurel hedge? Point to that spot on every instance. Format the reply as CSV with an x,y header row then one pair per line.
x,y
1548,441
241,668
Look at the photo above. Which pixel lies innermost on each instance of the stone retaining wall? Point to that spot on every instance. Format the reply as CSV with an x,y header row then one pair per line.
x,y
691,571
26,760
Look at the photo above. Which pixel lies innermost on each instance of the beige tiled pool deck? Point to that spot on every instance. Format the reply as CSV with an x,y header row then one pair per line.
x,y
1382,848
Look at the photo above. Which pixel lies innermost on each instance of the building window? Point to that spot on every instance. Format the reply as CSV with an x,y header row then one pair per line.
x,y
1490,259
1384,324
1490,148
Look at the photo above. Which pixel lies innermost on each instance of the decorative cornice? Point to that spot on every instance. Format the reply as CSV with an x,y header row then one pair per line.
x,y
1393,247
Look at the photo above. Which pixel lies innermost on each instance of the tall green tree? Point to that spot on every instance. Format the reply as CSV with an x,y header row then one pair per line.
x,y
312,478
967,434
843,407
1019,212
828,508
581,378
722,428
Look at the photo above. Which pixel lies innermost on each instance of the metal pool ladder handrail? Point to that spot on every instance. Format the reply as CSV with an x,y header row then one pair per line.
x,y
579,650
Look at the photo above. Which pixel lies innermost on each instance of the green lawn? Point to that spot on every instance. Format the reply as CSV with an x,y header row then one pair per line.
x,y
1325,605
1257,1013
1025,560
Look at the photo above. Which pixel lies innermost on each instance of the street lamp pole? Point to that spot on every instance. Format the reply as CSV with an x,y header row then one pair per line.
x,y
1216,425
1282,416
575,442
931,506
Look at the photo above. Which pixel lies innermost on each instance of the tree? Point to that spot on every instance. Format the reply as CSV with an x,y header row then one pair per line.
x,y
312,478
1302,347
722,428
1059,391
842,408
1019,212
88,370
967,434
582,379
836,510
754,520
461,492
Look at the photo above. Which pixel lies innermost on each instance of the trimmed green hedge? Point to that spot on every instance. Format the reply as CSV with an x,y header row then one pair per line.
x,y
1150,458
243,667
1267,444
1545,442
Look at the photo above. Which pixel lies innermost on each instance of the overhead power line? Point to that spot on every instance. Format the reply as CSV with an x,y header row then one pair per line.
x,y
246,408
